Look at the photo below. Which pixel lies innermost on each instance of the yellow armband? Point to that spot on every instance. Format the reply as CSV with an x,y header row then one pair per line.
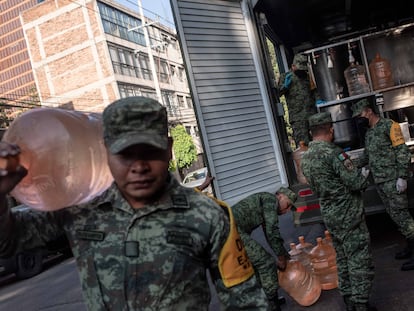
x,y
234,264
396,135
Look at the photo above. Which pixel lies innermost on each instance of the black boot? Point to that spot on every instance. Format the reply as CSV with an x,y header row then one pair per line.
x,y
275,302
364,307
274,305
409,265
349,305
361,307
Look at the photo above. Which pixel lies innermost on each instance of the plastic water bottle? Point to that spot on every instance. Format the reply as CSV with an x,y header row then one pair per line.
x,y
301,285
299,255
355,77
328,238
297,158
65,156
324,265
380,71
304,245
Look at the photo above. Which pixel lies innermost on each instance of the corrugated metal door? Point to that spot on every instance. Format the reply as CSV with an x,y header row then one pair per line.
x,y
231,102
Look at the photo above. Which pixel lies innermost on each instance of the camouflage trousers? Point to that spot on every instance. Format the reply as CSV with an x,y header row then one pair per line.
x,y
396,205
300,131
264,265
354,261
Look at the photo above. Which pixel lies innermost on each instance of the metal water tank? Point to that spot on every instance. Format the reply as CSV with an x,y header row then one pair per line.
x,y
346,132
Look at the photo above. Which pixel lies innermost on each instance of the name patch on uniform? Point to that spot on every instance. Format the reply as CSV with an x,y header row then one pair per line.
x,y
178,237
179,200
344,157
90,235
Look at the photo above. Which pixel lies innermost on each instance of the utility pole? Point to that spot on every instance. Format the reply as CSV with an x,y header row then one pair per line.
x,y
150,55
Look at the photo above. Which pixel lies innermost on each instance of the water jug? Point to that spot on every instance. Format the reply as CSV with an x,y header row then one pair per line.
x,y
304,258
304,245
328,238
297,158
324,265
301,285
65,156
356,79
380,71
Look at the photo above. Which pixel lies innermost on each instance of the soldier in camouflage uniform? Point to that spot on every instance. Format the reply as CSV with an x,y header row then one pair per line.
x,y
300,97
146,242
262,209
389,158
338,183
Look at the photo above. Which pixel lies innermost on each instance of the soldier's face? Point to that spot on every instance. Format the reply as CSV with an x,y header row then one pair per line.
x,y
140,172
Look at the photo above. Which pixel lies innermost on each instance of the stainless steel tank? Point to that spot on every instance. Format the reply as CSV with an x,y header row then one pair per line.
x,y
346,132
328,67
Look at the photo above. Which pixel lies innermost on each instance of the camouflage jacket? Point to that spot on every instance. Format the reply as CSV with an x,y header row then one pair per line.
x,y
386,152
300,98
260,209
338,183
152,258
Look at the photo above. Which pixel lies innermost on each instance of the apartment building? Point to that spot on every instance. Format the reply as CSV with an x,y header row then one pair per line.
x,y
84,54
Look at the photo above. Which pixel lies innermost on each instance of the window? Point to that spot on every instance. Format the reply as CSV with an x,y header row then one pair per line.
x,y
181,73
124,62
162,69
181,102
118,23
189,102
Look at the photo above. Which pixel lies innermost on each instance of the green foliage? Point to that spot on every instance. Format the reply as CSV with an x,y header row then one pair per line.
x,y
276,73
184,149
172,166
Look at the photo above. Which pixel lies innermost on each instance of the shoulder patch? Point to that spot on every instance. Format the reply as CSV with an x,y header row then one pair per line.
x,y
234,264
396,134
344,157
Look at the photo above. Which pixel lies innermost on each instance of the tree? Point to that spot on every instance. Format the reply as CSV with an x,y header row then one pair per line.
x,y
185,151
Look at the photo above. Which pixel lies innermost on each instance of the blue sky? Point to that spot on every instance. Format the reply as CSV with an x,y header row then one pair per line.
x,y
152,8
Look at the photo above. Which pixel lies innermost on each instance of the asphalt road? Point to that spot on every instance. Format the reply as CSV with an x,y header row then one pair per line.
x,y
58,288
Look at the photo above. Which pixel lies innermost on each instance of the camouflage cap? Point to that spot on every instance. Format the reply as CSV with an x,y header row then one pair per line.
x,y
300,61
289,193
359,106
320,118
135,120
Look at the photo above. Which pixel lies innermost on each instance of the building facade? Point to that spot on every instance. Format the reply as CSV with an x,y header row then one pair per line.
x,y
82,55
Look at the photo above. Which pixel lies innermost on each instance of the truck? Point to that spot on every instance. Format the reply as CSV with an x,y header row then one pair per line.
x,y
234,52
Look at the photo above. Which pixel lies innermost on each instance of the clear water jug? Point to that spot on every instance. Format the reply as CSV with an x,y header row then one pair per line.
x,y
65,156
356,79
381,74
297,158
328,238
304,258
324,265
303,245
301,285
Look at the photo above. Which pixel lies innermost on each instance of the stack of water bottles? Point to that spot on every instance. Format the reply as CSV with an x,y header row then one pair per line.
x,y
311,269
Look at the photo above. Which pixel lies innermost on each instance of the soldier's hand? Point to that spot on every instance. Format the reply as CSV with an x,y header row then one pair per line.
x,y
401,185
288,80
11,172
